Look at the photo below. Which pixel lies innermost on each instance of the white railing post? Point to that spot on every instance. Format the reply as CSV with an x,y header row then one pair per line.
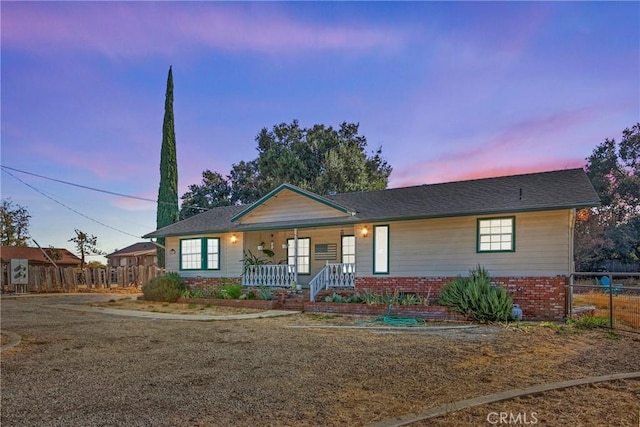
x,y
269,275
332,276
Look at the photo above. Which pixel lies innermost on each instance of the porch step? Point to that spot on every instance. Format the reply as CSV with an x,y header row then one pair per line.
x,y
295,301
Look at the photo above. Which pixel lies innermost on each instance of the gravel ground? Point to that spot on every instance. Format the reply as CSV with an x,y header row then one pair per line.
x,y
90,369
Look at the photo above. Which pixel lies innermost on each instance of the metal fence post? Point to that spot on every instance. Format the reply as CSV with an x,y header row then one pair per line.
x,y
610,301
570,298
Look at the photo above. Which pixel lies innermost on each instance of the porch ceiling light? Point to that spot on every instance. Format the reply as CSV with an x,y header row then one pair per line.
x,y
234,238
365,231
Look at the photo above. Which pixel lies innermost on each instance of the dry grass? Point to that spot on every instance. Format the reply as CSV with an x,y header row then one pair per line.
x,y
596,405
626,307
165,307
92,369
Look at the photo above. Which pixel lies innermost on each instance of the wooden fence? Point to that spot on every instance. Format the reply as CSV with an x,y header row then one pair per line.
x,y
71,279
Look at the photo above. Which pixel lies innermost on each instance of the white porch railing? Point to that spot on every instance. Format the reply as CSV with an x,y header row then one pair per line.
x,y
333,276
271,275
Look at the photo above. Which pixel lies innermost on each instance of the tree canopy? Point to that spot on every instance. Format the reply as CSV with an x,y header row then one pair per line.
x,y
14,225
86,245
612,231
215,191
319,159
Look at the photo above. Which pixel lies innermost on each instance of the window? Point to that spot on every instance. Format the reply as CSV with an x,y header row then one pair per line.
x,y
304,254
200,254
381,249
213,254
348,249
496,235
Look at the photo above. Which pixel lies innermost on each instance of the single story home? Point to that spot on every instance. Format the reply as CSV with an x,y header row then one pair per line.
x,y
36,256
413,239
138,254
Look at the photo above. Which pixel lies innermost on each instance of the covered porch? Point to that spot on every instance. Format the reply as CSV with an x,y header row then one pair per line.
x,y
313,258
331,276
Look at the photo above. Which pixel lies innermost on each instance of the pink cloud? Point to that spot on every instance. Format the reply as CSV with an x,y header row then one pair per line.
x,y
453,170
141,28
130,204
105,165
534,145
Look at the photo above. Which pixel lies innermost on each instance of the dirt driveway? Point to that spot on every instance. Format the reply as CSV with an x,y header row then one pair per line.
x,y
90,369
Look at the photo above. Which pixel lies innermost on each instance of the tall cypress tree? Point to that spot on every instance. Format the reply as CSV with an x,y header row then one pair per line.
x,y
167,212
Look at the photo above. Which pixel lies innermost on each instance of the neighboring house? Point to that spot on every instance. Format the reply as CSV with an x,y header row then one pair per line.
x,y
35,256
138,254
414,239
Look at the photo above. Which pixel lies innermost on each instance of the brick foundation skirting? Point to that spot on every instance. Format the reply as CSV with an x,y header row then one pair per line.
x,y
541,298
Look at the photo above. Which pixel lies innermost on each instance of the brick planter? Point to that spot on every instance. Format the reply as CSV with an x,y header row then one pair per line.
x,y
237,303
429,312
541,298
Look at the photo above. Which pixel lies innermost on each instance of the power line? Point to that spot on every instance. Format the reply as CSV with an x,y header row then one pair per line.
x,y
67,207
90,188
77,185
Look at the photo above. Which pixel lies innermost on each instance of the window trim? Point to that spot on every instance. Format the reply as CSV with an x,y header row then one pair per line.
x,y
375,232
513,235
204,254
290,244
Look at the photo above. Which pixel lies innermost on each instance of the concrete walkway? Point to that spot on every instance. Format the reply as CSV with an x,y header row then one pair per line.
x,y
14,340
173,316
497,397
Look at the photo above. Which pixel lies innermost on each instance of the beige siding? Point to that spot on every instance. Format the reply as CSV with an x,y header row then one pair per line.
x,y
252,239
288,206
434,247
447,247
230,257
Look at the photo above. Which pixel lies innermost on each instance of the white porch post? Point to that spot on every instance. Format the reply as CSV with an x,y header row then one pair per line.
x,y
295,254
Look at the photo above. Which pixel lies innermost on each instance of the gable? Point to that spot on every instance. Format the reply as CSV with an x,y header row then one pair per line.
x,y
288,205
291,204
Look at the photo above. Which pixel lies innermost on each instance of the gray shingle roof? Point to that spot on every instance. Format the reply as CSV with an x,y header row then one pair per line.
x,y
562,189
137,249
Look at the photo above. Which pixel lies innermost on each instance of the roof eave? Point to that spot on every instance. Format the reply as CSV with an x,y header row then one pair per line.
x,y
481,213
355,220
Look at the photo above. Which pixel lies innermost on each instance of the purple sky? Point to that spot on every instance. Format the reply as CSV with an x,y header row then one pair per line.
x,y
450,90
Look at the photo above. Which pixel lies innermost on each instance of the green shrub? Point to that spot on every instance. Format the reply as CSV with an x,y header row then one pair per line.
x,y
167,288
248,294
368,297
265,294
201,293
589,322
409,299
334,298
355,298
476,297
231,290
